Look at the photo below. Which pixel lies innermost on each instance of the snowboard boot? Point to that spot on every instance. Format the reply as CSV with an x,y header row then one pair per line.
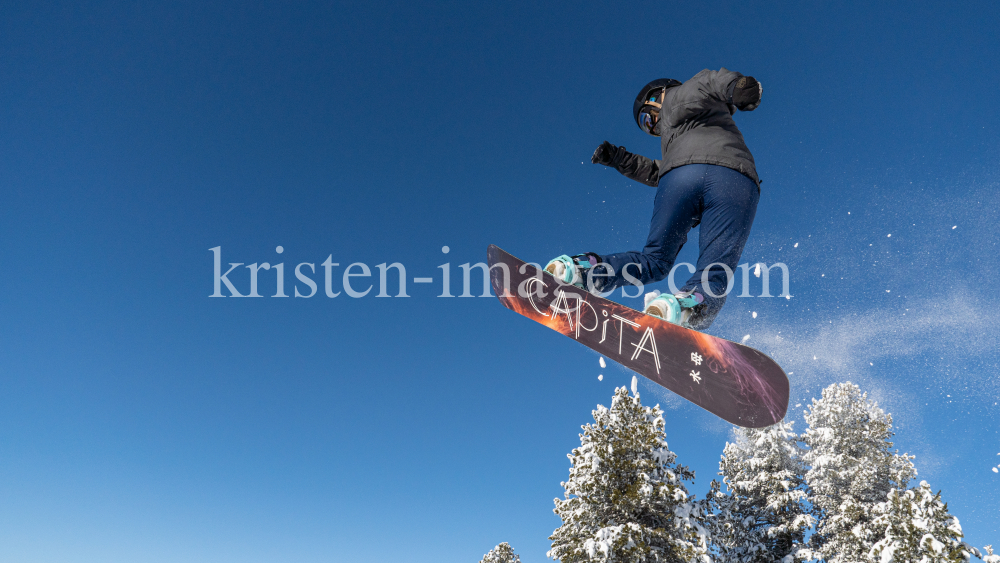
x,y
573,269
676,309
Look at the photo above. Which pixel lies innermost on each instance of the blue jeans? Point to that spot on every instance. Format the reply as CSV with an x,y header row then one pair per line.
x,y
723,201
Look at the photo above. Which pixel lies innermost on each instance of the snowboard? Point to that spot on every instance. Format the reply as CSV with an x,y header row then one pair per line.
x,y
735,382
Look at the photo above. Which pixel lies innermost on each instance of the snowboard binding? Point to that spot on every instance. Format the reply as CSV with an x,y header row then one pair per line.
x,y
573,270
676,309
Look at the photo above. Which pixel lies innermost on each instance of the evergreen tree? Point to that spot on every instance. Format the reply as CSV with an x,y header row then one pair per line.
x,y
764,517
851,471
502,553
625,499
989,557
915,526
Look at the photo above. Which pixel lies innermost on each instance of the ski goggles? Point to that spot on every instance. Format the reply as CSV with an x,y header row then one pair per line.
x,y
648,116
650,113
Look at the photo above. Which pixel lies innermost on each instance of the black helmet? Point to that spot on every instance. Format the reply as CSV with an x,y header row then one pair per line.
x,y
643,96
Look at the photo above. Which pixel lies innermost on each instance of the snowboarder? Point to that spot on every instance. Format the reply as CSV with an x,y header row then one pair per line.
x,y
706,176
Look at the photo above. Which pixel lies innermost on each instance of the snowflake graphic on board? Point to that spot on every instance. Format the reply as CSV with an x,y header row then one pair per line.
x,y
695,376
696,358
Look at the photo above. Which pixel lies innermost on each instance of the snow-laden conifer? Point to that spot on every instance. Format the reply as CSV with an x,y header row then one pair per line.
x,y
989,557
915,525
764,516
851,471
502,553
625,499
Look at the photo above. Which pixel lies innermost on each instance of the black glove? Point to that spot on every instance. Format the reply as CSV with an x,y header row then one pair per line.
x,y
605,154
747,93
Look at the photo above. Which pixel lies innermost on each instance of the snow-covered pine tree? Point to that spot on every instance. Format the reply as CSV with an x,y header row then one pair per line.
x,y
989,557
916,526
851,471
625,499
502,553
764,517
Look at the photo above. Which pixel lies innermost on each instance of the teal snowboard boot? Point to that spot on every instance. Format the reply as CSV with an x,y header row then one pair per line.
x,y
676,309
573,269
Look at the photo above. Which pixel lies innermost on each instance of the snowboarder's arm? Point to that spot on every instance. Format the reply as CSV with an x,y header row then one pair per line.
x,y
718,84
710,87
634,166
639,168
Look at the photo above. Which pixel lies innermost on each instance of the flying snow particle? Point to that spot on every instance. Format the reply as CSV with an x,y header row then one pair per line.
x,y
600,377
796,245
955,227
635,384
995,470
888,235
814,357
601,361
755,314
888,291
756,269
788,297
745,338
871,364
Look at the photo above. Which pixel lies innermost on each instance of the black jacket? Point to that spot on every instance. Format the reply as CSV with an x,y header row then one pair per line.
x,y
696,127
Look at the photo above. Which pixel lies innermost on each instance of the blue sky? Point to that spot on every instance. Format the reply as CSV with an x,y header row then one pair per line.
x,y
141,420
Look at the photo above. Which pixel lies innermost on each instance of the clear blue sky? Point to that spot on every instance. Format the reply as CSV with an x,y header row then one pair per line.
x,y
141,420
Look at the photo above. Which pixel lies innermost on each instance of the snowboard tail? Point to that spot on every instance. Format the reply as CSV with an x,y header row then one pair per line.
x,y
735,382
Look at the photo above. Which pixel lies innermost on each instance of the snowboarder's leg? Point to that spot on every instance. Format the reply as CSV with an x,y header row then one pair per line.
x,y
676,210
730,203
